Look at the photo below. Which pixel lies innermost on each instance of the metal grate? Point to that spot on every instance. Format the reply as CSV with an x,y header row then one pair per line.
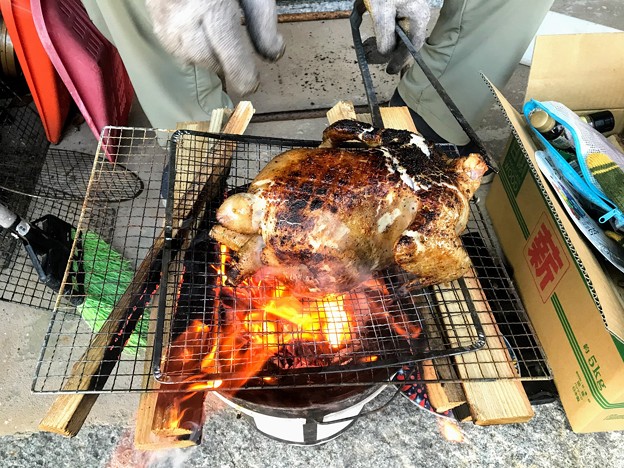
x,y
455,318
36,181
22,154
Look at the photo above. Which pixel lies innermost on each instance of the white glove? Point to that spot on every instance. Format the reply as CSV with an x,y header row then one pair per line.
x,y
209,33
412,15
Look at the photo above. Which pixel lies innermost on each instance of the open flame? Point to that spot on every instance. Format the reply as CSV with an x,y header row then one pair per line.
x,y
275,320
266,327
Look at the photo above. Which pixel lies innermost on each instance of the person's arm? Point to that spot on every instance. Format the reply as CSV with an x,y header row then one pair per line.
x,y
209,34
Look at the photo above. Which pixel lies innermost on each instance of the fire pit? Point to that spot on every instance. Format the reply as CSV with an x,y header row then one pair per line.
x,y
264,350
289,363
275,414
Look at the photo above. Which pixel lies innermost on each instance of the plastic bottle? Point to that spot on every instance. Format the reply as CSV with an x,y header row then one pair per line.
x,y
550,129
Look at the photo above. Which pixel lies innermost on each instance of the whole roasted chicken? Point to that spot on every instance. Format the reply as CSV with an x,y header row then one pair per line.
x,y
323,220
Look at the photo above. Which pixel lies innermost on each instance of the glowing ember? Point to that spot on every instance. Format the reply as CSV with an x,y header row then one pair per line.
x,y
335,320
450,430
209,385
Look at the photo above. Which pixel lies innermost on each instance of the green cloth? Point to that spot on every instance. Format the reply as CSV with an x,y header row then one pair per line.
x,y
470,37
169,91
106,275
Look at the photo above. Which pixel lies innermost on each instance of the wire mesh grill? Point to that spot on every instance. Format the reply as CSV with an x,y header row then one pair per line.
x,y
435,326
22,153
37,181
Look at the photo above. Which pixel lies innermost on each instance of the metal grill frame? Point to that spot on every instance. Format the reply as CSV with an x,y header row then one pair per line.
x,y
312,376
136,224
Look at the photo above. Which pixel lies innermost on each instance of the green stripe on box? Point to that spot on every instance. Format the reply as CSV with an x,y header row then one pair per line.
x,y
512,174
619,346
514,205
578,354
515,167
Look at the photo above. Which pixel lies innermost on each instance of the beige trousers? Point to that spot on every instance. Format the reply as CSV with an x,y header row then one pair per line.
x,y
470,37
169,91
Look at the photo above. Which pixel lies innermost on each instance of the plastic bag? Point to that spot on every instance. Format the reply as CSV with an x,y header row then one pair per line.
x,y
586,142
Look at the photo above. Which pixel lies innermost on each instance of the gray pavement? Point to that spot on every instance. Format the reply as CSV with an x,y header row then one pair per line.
x,y
400,436
315,73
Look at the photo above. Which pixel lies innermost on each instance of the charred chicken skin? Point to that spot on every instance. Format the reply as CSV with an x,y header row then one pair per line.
x,y
325,219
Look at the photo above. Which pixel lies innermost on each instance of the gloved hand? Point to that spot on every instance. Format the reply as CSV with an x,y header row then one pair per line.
x,y
412,15
209,33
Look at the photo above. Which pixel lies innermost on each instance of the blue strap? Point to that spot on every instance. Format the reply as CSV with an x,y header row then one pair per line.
x,y
607,216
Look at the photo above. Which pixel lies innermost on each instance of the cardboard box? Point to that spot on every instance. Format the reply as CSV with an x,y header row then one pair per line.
x,y
571,296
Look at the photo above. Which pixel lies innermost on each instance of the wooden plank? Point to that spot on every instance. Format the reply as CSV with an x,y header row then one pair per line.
x,y
397,118
443,396
502,399
145,438
69,411
187,405
180,413
186,155
342,110
498,401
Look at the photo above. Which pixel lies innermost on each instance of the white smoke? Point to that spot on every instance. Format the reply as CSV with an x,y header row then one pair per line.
x,y
126,455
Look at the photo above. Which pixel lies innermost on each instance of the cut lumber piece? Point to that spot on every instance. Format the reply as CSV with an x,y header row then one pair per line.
x,y
398,118
179,413
443,396
441,379
489,378
69,411
145,435
186,153
498,402
342,110
366,118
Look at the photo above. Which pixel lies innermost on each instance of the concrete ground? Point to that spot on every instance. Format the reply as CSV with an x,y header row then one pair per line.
x,y
314,74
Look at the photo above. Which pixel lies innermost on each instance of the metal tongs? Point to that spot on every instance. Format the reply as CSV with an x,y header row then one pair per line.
x,y
356,21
